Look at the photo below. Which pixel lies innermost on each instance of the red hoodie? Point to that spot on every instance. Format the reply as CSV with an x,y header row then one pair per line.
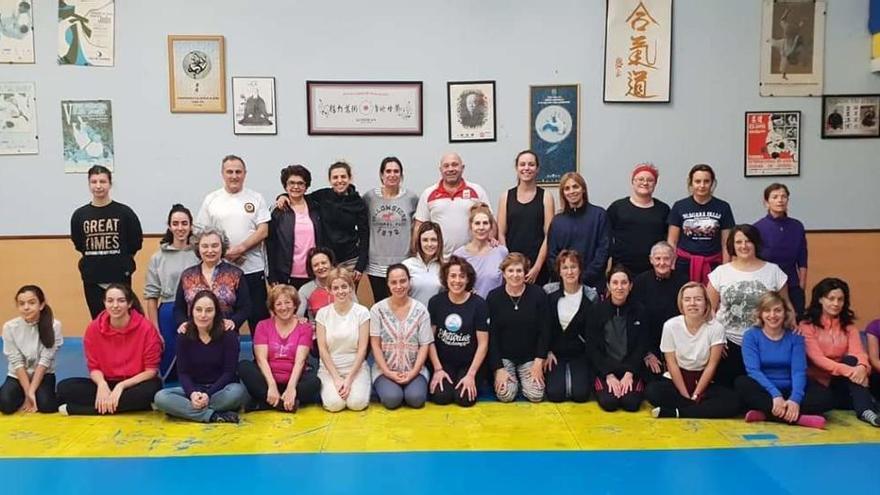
x,y
121,353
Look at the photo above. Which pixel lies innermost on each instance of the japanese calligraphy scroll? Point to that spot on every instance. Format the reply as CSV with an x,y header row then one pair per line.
x,y
792,47
343,108
638,42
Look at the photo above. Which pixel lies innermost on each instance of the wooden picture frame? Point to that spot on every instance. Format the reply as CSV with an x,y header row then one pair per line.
x,y
197,73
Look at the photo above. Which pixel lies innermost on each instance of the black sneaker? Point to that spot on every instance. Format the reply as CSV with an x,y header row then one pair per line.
x,y
224,417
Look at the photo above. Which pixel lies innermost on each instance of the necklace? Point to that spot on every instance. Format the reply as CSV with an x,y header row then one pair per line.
x,y
515,301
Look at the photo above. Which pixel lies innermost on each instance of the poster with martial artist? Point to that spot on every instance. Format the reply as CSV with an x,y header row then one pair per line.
x,y
18,119
197,73
772,142
254,111
87,132
554,125
16,32
85,32
792,48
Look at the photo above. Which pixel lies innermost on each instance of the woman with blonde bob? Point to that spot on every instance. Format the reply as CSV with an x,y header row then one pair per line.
x,y
776,385
692,343
343,331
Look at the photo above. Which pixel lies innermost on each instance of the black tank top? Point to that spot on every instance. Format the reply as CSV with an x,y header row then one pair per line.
x,y
525,224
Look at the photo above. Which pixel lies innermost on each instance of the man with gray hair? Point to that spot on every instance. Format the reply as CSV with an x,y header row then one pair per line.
x,y
449,202
244,216
657,289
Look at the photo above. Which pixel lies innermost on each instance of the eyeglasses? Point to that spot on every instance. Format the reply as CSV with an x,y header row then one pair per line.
x,y
296,184
644,180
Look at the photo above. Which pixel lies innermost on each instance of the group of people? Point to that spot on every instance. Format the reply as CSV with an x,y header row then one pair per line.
x,y
696,313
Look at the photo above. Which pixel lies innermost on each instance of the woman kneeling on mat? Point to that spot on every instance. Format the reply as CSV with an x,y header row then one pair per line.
x,y
207,357
776,385
617,338
30,343
280,377
400,336
692,343
122,350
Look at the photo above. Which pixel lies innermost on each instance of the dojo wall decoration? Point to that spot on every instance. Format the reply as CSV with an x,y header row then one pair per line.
x,y
16,32
197,74
792,48
254,110
85,32
350,108
18,118
850,116
638,42
87,132
772,142
471,111
554,125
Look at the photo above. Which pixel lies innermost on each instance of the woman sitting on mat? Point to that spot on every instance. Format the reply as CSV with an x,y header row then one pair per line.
x,y
692,343
30,343
280,377
776,385
207,357
123,351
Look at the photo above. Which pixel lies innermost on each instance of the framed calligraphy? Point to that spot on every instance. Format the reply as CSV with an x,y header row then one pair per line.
x,y
254,105
792,47
471,110
772,144
553,129
850,116
638,51
197,74
355,108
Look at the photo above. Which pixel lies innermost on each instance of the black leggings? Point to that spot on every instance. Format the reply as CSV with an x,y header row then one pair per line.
x,y
379,285
731,367
449,394
631,401
717,401
256,283
79,394
849,395
577,370
817,399
307,388
12,395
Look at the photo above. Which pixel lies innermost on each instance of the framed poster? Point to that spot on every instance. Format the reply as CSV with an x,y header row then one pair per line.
x,y
254,110
638,51
197,74
772,142
85,32
18,118
358,108
87,132
554,119
16,32
471,111
850,116
792,47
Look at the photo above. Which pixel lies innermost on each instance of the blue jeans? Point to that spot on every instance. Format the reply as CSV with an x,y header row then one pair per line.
x,y
174,402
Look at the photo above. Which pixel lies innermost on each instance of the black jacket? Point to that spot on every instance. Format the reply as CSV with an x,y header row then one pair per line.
x,y
569,342
346,228
637,334
279,244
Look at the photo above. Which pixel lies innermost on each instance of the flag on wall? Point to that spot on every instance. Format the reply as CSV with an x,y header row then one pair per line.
x,y
874,28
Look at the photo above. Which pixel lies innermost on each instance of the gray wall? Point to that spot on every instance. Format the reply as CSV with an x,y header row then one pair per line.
x,y
163,158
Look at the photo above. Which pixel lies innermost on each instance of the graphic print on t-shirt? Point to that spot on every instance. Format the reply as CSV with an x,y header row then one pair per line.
x,y
449,334
102,236
740,300
390,220
701,225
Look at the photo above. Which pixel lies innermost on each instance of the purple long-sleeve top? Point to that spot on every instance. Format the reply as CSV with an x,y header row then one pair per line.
x,y
784,242
207,367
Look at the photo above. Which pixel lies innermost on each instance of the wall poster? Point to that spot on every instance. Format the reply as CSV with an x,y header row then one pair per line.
x,y
554,124
197,74
772,144
254,100
85,32
792,47
850,116
471,111
18,119
364,108
638,50
16,32
87,132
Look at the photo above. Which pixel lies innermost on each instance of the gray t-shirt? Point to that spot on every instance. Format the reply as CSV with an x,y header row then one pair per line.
x,y
391,222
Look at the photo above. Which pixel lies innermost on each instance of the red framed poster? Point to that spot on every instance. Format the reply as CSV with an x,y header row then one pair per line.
x,y
772,142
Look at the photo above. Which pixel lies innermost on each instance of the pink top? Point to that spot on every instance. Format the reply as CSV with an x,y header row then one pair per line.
x,y
303,241
827,346
282,350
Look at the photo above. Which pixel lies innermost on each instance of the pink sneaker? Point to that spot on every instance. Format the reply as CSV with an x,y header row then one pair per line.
x,y
754,416
812,421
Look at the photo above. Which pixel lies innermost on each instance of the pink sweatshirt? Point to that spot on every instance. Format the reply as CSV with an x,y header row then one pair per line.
x,y
827,345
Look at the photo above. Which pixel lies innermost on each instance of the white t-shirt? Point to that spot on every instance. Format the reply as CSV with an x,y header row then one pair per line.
x,y
740,292
568,306
451,211
238,215
342,333
691,351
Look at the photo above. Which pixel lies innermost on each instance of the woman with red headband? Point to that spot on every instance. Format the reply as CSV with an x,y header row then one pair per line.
x,y
638,221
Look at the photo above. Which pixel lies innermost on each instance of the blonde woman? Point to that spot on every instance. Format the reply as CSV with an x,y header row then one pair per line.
x,y
480,253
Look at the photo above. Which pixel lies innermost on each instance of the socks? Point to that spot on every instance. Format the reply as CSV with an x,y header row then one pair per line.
x,y
753,416
664,412
870,417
